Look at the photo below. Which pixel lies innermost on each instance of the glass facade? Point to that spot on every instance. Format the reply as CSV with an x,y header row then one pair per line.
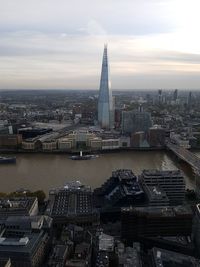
x,y
105,102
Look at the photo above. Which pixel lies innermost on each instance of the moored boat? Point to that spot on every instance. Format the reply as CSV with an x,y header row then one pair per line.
x,y
7,160
83,157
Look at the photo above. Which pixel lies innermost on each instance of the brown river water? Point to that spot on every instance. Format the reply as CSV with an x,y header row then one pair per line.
x,y
46,171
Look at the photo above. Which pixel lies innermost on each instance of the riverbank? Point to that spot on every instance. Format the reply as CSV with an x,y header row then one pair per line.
x,y
76,151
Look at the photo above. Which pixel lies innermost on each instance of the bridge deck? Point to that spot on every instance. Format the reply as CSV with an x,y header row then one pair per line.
x,y
185,155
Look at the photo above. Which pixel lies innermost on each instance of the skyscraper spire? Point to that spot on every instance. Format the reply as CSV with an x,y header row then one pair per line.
x,y
105,103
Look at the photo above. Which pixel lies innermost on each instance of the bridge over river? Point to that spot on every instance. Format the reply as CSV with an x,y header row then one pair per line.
x,y
187,156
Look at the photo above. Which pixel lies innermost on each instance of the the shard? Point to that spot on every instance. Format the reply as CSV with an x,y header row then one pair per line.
x,y
105,102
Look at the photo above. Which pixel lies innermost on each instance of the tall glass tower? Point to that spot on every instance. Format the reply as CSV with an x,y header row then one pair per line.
x,y
105,102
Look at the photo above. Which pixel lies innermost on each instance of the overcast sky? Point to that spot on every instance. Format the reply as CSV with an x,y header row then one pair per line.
x,y
59,43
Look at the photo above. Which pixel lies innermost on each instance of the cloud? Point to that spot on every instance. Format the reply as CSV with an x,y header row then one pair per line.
x,y
58,44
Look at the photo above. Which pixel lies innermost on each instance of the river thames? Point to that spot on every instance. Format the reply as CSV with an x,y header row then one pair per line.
x,y
46,171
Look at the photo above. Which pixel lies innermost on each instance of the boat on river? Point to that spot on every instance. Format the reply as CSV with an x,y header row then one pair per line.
x,y
7,160
83,157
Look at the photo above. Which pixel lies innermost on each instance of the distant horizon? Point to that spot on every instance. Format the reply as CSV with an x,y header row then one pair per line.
x,y
151,43
78,89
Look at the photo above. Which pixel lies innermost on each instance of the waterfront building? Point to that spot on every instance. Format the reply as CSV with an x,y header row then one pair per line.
x,y
18,206
72,204
95,143
49,145
121,189
124,141
155,221
161,257
136,121
138,140
31,144
66,143
10,141
171,182
80,139
105,101
156,137
111,143
180,140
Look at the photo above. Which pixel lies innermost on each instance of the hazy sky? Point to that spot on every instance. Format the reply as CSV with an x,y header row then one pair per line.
x,y
59,43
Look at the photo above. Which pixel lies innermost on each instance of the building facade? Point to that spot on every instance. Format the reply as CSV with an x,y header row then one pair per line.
x,y
171,182
136,121
155,221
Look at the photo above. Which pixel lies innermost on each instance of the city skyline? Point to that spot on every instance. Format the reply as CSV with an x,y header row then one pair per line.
x,y
45,45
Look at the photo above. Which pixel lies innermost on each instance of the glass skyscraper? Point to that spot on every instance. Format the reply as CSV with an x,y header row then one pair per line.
x,y
105,102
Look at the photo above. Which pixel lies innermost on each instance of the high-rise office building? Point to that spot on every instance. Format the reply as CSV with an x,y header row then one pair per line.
x,y
175,95
189,100
105,102
160,96
136,121
171,182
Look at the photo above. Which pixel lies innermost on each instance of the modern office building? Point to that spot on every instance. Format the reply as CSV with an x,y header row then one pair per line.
x,y
155,221
160,96
171,182
136,121
156,196
175,95
156,137
105,101
72,204
121,189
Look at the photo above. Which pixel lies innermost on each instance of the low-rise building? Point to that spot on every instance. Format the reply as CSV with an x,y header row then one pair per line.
x,y
66,143
10,141
18,206
49,145
110,144
24,249
156,136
